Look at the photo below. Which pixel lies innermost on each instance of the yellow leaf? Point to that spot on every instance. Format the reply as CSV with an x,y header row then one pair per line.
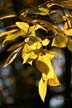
x,y
26,49
22,25
43,11
45,42
8,32
12,37
60,41
53,81
70,45
27,56
68,32
42,89
36,45
12,56
45,66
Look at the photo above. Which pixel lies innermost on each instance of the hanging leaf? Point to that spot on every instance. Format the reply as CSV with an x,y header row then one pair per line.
x,y
22,25
12,57
12,37
45,65
13,47
60,41
42,67
70,45
42,89
54,81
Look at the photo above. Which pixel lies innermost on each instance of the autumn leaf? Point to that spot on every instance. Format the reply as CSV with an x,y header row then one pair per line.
x,y
60,41
22,25
43,63
42,89
12,56
45,42
70,45
8,32
12,37
13,47
53,81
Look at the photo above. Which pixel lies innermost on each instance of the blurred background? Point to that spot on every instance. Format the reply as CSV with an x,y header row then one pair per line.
x,y
19,83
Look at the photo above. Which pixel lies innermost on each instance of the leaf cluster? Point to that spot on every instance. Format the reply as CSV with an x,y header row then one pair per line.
x,y
39,31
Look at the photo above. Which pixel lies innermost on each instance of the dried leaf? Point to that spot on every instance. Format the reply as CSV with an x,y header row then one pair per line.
x,y
13,47
12,57
42,89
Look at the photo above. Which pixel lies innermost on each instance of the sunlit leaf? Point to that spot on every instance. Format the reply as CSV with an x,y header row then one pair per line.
x,y
27,56
7,16
68,28
22,25
8,32
42,89
45,65
12,57
54,81
26,49
36,45
60,41
70,45
45,42
12,37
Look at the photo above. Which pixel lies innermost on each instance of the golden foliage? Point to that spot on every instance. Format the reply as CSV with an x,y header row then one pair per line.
x,y
34,47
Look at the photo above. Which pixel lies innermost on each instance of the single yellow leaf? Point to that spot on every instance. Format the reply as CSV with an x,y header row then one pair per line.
x,y
60,41
68,32
70,45
12,37
54,81
12,56
42,89
45,42
45,66
8,32
22,25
